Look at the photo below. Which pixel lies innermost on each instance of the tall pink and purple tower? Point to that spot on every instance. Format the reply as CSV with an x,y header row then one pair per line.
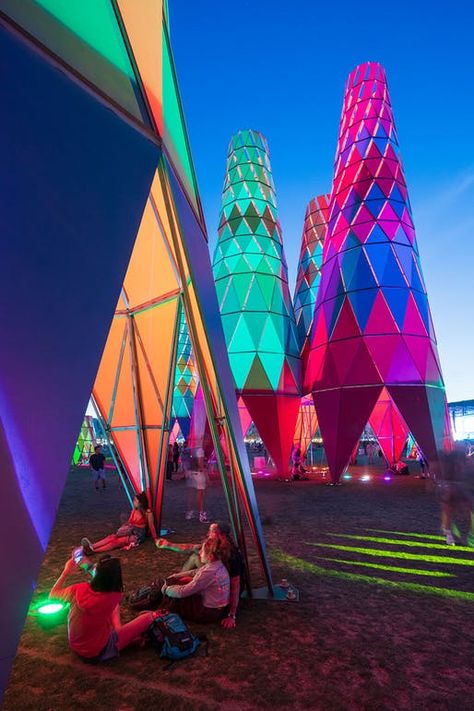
x,y
372,337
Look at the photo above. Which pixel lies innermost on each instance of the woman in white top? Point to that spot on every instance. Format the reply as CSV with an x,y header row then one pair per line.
x,y
200,595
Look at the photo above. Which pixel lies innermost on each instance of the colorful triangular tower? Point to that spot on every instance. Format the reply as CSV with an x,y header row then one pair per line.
x,y
309,266
251,278
186,380
372,325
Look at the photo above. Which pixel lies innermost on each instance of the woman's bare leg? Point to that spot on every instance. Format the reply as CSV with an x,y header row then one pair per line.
x,y
131,631
109,543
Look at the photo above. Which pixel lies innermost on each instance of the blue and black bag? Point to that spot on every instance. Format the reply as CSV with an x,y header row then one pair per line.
x,y
171,636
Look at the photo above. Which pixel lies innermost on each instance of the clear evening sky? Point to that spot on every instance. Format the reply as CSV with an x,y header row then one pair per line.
x,y
280,67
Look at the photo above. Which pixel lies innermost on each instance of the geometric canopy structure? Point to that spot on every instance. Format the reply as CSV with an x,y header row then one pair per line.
x,y
251,279
389,428
306,425
95,153
85,443
372,326
169,274
185,382
309,265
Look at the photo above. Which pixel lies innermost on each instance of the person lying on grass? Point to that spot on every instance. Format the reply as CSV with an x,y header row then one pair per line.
x,y
130,534
95,631
202,594
232,559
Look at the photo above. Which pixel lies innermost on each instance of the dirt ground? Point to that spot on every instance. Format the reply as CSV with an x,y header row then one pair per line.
x,y
377,626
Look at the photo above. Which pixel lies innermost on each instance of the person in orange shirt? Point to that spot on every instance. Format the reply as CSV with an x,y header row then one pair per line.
x,y
95,632
130,534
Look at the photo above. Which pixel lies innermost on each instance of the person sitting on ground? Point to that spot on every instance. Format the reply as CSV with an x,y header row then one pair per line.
x,y
130,534
95,632
201,594
298,472
231,557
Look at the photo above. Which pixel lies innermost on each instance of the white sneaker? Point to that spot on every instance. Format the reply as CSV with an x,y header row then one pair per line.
x,y
189,515
450,539
203,517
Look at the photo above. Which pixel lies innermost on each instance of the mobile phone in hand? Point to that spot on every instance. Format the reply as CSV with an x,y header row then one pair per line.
x,y
78,555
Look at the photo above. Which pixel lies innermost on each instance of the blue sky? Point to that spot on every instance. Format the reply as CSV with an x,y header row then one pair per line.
x,y
280,67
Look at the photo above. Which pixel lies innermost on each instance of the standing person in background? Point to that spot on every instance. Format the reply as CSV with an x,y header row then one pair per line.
x,y
175,457
456,502
423,464
97,463
169,462
196,481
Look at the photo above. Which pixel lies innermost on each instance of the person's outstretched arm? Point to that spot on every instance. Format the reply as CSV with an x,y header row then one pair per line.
x,y
164,544
59,590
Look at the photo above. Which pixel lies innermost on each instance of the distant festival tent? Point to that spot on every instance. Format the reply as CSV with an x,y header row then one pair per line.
x,y
372,327
96,144
252,286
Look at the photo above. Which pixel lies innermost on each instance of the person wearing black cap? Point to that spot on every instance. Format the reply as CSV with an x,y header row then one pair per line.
x,y
233,562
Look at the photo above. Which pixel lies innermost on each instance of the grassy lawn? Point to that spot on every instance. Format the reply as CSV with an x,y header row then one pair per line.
x,y
385,618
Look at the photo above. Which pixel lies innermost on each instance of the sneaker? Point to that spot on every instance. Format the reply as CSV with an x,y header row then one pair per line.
x,y
87,546
203,517
189,515
450,539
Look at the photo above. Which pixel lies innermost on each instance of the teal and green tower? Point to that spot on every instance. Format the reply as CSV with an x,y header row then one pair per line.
x,y
186,380
251,279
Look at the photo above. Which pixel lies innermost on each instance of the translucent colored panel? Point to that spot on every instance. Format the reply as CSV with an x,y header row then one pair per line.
x,y
156,328
174,130
152,442
123,410
272,364
126,443
240,364
142,22
86,36
150,273
105,379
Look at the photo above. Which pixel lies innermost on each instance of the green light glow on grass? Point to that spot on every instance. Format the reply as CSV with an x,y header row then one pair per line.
x,y
411,535
390,568
50,608
397,542
395,554
307,567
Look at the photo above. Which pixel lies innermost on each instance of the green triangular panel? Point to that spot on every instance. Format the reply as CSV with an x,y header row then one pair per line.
x,y
240,364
